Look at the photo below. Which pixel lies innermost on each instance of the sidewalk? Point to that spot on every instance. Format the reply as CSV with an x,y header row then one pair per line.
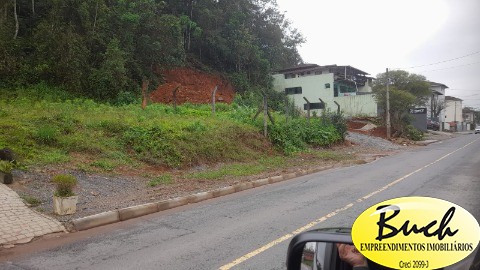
x,y
18,223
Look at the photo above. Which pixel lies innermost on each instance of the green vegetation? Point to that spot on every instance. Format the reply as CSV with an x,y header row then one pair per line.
x,y
164,179
243,169
72,73
329,155
413,133
6,166
64,185
33,201
108,50
407,90
266,164
296,134
99,137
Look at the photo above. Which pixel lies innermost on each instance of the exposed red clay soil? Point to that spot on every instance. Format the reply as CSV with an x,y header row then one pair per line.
x,y
354,125
193,87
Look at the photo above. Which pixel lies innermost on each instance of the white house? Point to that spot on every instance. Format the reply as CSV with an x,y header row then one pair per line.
x,y
436,103
453,119
327,87
469,119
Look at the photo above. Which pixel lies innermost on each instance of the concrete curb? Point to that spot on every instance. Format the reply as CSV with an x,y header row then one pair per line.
x,y
275,179
223,191
127,213
289,176
137,211
199,197
261,182
425,143
243,186
169,204
96,220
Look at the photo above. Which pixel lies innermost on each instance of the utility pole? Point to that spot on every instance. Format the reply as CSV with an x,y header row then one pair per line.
x,y
389,131
455,117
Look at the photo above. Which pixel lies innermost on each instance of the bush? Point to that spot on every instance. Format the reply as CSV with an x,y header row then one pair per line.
x,y
296,134
337,120
154,145
6,166
413,133
32,201
65,184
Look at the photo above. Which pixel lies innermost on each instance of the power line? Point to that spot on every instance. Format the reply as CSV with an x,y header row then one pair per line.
x,y
455,89
444,61
449,67
474,95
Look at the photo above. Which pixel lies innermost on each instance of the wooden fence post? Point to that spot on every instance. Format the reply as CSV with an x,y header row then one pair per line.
x,y
175,98
287,109
213,99
265,115
308,109
338,105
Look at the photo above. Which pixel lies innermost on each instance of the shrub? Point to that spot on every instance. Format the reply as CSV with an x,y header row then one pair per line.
x,y
413,133
338,121
6,166
296,134
153,145
32,201
64,185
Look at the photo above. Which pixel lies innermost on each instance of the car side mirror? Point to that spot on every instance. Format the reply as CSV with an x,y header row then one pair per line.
x,y
318,248
321,250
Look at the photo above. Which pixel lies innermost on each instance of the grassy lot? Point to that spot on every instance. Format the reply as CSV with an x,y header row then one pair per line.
x,y
47,127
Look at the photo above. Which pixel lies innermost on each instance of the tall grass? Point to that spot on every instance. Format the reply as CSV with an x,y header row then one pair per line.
x,y
54,131
47,126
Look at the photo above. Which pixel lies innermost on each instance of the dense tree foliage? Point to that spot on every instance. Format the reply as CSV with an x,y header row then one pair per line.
x,y
407,90
106,49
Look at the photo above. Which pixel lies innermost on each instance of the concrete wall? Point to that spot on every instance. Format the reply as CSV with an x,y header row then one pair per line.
x,y
453,114
360,105
367,88
313,87
453,111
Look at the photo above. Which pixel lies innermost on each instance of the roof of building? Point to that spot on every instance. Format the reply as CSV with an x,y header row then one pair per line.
x,y
298,68
335,68
452,98
437,84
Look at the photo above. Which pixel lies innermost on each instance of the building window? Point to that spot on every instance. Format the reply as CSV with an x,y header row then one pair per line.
x,y
327,85
293,90
314,106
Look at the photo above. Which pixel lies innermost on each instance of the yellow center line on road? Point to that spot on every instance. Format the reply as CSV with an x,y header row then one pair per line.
x,y
322,219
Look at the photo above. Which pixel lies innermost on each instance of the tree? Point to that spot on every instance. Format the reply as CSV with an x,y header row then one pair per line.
x,y
111,78
436,107
16,18
101,48
407,90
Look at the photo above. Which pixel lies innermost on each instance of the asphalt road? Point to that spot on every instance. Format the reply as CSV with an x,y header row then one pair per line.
x,y
251,229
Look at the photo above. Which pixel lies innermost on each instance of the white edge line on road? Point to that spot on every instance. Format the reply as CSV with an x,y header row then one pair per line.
x,y
322,219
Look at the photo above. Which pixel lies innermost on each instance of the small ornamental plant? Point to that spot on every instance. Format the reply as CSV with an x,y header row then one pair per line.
x,y
65,184
6,166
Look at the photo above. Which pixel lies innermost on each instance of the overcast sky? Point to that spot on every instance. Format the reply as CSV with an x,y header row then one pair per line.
x,y
373,35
